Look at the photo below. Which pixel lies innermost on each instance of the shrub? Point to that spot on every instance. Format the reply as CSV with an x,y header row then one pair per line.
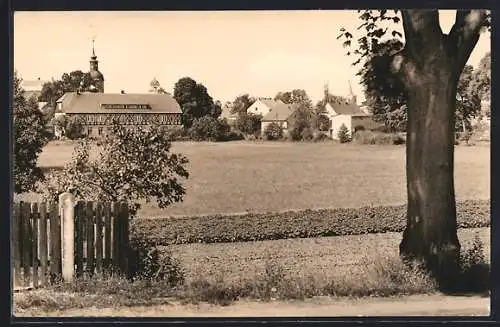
x,y
306,134
292,224
248,123
379,138
358,128
208,128
319,136
475,272
178,134
273,132
343,134
146,262
235,136
74,129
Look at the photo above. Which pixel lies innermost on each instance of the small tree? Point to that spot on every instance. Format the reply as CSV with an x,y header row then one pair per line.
x,y
131,164
343,134
209,129
74,129
300,120
273,132
30,135
248,123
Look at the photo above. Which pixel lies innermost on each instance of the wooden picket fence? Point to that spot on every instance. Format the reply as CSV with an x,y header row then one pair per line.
x,y
100,241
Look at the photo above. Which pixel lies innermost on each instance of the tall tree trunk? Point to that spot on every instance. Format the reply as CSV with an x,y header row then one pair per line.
x,y
430,65
431,231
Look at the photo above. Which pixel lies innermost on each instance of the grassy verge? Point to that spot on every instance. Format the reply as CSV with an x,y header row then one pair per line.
x,y
388,276
292,224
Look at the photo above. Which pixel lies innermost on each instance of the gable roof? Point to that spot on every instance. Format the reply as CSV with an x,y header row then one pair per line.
x,y
347,108
270,103
280,112
87,102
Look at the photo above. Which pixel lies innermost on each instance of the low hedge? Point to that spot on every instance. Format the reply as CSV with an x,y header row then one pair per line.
x,y
292,224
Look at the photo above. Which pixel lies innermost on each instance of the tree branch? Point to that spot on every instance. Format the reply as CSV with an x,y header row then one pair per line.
x,y
422,29
464,34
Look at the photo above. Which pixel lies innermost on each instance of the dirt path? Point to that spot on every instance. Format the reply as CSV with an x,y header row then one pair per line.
x,y
427,305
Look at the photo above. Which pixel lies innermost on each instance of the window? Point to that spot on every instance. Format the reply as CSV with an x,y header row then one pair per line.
x,y
89,131
99,131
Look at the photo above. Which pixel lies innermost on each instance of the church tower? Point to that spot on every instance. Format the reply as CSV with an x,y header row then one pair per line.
x,y
96,77
354,99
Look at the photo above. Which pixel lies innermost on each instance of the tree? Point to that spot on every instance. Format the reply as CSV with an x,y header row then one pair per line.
x,y
75,80
208,128
273,132
300,123
429,67
468,102
248,123
195,101
30,135
481,81
131,164
241,104
296,96
343,134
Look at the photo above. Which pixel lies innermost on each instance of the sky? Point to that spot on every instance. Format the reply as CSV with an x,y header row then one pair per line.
x,y
230,52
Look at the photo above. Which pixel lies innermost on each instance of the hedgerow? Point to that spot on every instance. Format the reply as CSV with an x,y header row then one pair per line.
x,y
292,224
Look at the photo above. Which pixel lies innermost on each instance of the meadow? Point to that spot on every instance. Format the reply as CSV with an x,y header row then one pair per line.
x,y
237,177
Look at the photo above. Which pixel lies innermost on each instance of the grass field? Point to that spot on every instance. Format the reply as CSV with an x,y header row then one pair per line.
x,y
264,176
328,257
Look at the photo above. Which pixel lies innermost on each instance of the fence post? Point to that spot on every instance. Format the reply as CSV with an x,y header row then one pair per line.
x,y
67,212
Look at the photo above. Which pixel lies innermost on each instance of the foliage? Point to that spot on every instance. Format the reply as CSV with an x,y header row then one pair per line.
x,y
30,135
273,132
72,82
296,96
475,271
370,137
293,224
481,81
147,263
132,164
323,123
195,101
241,104
74,129
248,123
301,123
208,128
343,134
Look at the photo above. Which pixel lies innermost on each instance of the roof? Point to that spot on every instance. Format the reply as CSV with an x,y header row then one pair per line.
x,y
87,102
347,108
270,103
280,112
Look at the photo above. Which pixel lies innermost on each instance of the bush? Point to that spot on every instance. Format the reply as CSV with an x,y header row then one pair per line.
x,y
179,134
319,136
146,262
248,124
235,136
74,129
343,134
379,138
273,132
475,272
358,128
293,224
306,134
208,128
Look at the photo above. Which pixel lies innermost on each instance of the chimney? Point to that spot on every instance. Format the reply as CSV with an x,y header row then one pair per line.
x,y
122,91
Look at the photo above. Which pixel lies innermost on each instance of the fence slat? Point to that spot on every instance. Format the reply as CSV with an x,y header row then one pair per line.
x,y
90,237
55,240
34,242
116,236
98,237
79,223
124,237
42,245
107,235
16,243
27,247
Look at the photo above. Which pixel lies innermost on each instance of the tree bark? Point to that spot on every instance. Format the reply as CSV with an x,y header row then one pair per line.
x,y
430,66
